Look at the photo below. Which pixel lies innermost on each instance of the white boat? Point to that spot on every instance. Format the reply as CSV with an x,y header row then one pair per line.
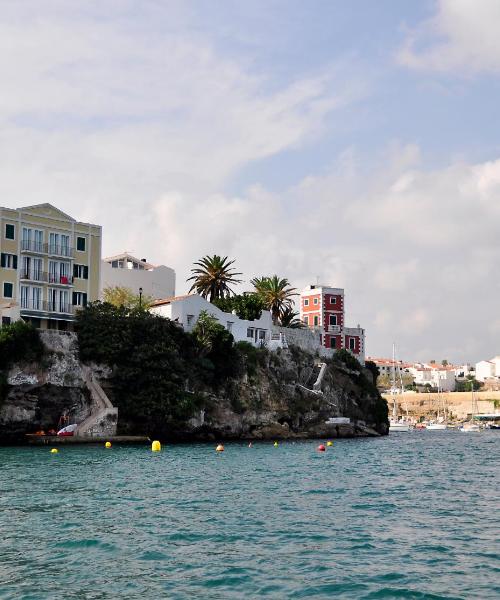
x,y
395,424
436,426
399,425
471,426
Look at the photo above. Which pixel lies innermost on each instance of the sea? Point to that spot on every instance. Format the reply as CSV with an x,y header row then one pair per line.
x,y
411,515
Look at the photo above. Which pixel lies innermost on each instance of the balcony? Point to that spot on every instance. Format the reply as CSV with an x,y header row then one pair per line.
x,y
44,277
47,307
332,328
32,247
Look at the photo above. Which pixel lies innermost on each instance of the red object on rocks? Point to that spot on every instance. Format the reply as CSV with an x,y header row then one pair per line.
x,y
321,448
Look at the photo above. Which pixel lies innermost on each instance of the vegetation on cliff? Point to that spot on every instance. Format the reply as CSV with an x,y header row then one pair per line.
x,y
163,376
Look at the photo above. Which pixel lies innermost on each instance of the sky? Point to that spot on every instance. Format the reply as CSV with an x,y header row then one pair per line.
x,y
347,142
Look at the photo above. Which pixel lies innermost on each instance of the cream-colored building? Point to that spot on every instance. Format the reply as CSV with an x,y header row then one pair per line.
x,y
50,265
124,270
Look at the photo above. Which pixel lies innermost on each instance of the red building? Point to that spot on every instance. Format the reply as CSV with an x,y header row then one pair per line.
x,y
322,309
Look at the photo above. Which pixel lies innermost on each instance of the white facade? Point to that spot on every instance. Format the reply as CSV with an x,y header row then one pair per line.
x,y
442,378
127,271
487,369
186,310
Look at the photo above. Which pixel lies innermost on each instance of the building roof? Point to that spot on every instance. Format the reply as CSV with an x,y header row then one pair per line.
x,y
164,301
127,256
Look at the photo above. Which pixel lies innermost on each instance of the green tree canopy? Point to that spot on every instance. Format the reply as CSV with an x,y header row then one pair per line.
x,y
276,293
123,296
247,306
213,276
290,318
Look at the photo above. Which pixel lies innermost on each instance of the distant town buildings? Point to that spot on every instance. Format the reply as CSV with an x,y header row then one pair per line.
x,y
125,270
488,369
50,265
322,310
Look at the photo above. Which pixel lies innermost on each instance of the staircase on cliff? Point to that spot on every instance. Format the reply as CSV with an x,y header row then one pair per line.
x,y
103,419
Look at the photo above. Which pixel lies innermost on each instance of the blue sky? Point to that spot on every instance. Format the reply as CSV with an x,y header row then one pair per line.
x,y
353,141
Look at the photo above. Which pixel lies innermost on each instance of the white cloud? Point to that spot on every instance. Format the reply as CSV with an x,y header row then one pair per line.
x,y
462,36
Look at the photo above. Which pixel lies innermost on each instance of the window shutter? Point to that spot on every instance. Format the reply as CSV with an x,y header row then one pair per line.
x,y
75,271
3,260
14,261
84,299
85,272
74,298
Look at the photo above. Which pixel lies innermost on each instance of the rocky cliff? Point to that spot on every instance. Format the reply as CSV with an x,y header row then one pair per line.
x,y
282,395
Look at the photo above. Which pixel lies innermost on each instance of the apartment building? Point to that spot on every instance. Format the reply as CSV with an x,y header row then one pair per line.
x,y
50,265
322,309
124,270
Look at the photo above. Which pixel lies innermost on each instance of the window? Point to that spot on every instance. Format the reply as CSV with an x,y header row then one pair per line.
x,y
333,342
250,332
81,271
352,343
32,240
262,334
9,261
229,326
81,243
315,301
333,300
8,289
79,299
316,321
333,319
10,231
306,301
190,319
306,320
5,320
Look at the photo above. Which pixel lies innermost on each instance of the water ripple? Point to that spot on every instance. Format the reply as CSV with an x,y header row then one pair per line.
x,y
409,516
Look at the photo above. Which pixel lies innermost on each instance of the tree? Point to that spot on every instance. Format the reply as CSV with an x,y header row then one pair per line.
x,y
247,306
123,296
444,363
212,277
276,293
289,318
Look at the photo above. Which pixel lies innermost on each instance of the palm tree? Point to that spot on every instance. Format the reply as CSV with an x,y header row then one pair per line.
x,y
276,294
212,276
289,319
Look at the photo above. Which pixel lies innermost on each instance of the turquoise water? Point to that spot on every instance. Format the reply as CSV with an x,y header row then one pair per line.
x,y
408,516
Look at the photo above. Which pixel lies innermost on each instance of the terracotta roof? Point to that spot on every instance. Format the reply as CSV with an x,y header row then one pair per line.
x,y
171,299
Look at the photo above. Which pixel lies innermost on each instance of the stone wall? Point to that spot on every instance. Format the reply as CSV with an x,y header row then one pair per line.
x,y
305,339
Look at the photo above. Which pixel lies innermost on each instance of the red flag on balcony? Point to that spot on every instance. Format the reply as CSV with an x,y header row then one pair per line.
x,y
64,279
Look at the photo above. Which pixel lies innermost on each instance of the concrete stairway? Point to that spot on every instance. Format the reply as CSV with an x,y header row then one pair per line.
x,y
103,419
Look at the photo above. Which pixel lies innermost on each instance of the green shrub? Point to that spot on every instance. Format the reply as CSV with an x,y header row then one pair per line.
x,y
19,342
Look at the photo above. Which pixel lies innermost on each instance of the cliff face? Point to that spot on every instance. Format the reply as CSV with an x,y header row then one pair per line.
x,y
272,399
278,401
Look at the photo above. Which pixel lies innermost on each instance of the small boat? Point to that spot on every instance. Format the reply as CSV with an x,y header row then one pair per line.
x,y
470,427
433,426
394,423
399,425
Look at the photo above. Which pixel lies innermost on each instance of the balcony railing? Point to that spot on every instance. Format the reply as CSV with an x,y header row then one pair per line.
x,y
47,307
44,277
51,249
332,328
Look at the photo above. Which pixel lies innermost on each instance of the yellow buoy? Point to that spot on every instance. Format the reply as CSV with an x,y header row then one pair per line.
x,y
220,448
275,444
107,444
54,451
156,446
329,443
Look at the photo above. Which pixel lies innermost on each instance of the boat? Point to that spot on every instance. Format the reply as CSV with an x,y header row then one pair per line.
x,y
396,424
470,426
434,426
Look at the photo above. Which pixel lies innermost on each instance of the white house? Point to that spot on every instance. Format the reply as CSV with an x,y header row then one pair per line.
x,y
185,310
439,377
125,270
488,369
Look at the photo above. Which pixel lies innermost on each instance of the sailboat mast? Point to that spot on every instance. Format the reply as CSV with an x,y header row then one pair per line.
x,y
393,383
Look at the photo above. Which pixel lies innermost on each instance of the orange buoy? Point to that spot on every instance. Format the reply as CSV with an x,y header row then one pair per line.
x,y
321,448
